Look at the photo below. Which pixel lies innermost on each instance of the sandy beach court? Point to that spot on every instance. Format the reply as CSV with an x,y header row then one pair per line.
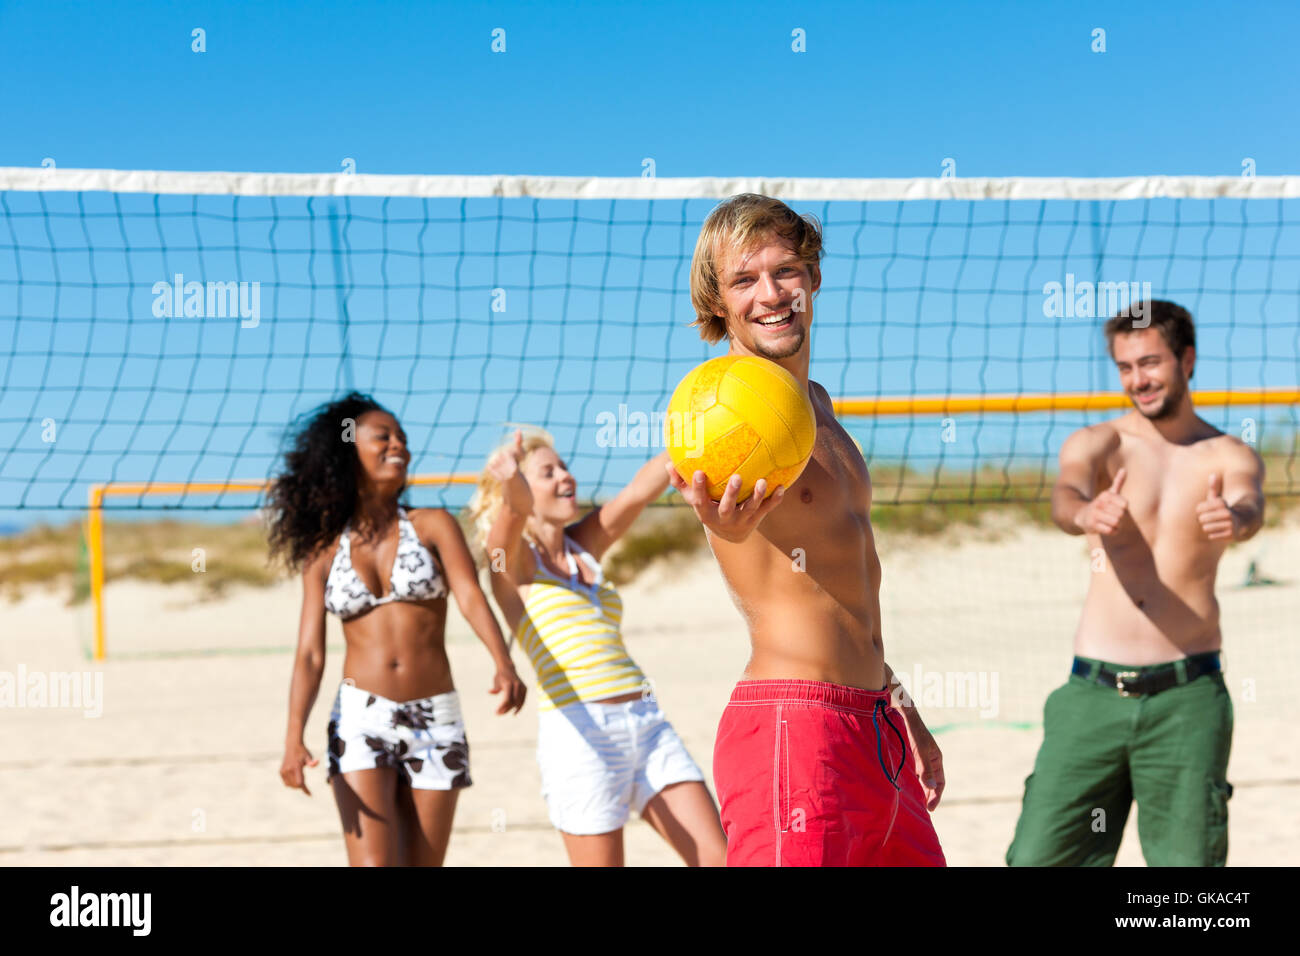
x,y
181,766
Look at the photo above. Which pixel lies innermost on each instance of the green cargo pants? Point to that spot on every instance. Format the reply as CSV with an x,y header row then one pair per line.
x,y
1101,751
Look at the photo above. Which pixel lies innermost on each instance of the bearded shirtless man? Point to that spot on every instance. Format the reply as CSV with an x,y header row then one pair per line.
x,y
1160,494
813,763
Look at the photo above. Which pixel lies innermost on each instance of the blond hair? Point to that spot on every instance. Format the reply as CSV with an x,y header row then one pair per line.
x,y
738,224
485,505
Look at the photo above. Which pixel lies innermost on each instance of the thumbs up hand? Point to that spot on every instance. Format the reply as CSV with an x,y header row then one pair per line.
x,y
1218,521
504,464
1105,513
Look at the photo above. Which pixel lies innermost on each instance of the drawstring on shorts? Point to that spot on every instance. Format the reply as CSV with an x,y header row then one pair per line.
x,y
880,752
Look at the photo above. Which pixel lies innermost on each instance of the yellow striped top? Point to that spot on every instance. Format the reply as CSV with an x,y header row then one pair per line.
x,y
571,633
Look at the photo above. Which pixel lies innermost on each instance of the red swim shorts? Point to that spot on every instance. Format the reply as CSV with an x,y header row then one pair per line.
x,y
816,774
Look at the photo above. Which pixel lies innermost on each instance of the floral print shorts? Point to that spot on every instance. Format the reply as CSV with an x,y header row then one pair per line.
x,y
423,740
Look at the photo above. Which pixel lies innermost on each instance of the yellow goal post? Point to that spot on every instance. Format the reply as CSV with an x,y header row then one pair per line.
x,y
95,524
846,406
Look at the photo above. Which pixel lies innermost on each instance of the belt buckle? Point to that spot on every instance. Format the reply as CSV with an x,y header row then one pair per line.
x,y
1120,677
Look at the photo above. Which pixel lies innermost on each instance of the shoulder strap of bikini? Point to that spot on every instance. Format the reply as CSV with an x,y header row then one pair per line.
x,y
537,558
587,556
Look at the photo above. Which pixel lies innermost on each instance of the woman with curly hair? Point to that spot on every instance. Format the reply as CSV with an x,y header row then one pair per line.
x,y
604,747
398,756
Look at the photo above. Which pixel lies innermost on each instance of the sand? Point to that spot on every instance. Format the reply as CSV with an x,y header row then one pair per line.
x,y
181,767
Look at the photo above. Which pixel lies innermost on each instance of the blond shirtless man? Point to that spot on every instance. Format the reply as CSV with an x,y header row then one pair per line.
x,y
814,765
1160,494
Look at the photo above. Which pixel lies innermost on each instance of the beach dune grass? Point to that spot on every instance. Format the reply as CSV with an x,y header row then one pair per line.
x,y
166,551
907,504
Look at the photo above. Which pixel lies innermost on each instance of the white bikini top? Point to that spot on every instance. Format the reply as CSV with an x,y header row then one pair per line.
x,y
590,591
414,576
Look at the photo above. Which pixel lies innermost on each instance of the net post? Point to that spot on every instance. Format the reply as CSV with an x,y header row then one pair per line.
x,y
95,545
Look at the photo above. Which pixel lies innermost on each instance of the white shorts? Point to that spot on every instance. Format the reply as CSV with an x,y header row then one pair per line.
x,y
600,761
423,740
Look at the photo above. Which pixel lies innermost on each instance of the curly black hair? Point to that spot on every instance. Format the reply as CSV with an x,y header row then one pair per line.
x,y
311,500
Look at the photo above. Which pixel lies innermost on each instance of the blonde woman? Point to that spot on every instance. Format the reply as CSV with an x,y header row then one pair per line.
x,y
603,745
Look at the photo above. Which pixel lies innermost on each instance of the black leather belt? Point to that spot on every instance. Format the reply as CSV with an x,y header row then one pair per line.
x,y
1143,682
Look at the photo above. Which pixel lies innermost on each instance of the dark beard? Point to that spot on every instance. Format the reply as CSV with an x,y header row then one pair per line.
x,y
793,349
1169,407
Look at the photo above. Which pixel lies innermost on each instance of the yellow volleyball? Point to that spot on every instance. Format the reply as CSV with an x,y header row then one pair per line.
x,y
740,415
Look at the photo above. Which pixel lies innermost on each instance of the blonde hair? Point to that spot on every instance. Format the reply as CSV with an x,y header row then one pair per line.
x,y
485,505
738,224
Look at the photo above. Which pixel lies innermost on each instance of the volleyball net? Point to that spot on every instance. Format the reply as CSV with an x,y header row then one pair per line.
x,y
162,329
159,330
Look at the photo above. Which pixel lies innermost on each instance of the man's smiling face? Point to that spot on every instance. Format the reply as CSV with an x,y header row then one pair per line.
x,y
768,294
1153,378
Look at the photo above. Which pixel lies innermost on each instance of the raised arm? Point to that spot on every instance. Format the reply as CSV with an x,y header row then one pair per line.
x,y
308,666
442,531
598,531
509,564
505,538
1077,507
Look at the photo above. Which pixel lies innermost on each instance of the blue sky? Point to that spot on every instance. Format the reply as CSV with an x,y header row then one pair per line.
x,y
883,90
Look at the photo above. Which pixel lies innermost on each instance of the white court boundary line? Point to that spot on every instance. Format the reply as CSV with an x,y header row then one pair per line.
x,y
42,179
